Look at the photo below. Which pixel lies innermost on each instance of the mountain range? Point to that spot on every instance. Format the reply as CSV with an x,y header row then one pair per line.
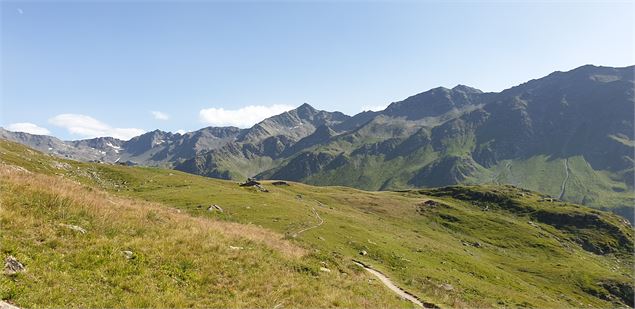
x,y
569,135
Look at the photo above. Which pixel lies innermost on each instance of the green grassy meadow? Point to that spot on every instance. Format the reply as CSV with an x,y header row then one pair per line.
x,y
468,246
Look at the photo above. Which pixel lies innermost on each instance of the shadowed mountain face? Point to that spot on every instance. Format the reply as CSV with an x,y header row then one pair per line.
x,y
569,135
435,102
152,148
587,112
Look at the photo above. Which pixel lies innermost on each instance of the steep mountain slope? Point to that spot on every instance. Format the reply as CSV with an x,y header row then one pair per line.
x,y
156,148
436,102
247,161
584,116
565,114
294,125
258,148
85,150
477,246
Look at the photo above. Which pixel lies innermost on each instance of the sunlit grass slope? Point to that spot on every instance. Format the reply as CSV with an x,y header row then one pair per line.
x,y
477,246
174,259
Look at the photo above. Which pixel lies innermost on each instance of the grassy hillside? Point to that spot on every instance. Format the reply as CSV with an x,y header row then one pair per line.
x,y
174,259
479,246
598,189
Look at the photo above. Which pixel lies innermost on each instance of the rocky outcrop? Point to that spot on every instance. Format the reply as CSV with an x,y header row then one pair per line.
x,y
13,266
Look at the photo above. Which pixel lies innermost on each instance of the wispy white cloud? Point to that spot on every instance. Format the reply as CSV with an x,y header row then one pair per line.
x,y
160,115
28,127
89,127
180,131
375,108
243,117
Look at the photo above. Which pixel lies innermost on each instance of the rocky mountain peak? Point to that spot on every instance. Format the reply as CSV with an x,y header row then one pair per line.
x,y
466,89
305,109
434,102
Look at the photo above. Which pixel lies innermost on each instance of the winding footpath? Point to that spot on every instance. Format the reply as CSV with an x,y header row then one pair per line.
x,y
311,227
385,280
393,287
566,178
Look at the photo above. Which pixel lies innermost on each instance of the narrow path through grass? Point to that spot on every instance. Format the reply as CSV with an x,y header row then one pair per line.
x,y
393,287
566,178
311,227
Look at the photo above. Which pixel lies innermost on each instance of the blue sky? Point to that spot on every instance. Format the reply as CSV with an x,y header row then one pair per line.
x,y
84,69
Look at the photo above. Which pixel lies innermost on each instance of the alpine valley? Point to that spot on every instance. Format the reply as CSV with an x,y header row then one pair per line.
x,y
568,135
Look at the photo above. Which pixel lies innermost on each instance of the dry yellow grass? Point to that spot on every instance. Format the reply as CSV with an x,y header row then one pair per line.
x,y
112,208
